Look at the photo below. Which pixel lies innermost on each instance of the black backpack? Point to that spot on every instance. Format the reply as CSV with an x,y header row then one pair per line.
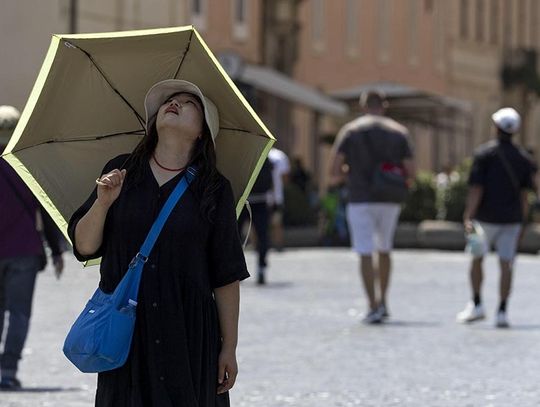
x,y
264,181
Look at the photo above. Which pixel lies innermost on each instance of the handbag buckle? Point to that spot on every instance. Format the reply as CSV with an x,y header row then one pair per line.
x,y
138,257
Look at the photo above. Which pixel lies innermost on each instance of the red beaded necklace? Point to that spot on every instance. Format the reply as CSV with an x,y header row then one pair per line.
x,y
165,168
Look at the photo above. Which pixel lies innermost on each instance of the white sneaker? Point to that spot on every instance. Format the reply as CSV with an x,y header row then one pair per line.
x,y
471,313
501,321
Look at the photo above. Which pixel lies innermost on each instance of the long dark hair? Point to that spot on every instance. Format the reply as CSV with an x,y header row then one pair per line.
x,y
203,156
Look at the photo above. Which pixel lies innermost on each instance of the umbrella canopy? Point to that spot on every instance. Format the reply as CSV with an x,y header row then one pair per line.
x,y
87,106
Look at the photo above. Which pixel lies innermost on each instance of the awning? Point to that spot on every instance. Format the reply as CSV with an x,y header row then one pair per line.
x,y
416,98
277,84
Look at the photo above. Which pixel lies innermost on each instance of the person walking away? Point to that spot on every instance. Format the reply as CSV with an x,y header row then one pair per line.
x,y
372,154
22,256
258,201
496,209
280,175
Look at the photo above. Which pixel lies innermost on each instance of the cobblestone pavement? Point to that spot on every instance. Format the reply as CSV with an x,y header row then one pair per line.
x,y
301,342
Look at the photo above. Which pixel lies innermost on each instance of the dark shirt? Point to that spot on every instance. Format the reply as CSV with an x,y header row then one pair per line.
x,y
18,210
501,199
388,142
176,344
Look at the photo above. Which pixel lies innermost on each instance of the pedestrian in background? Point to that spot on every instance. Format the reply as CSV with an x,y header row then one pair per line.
x,y
260,213
496,210
280,175
373,156
299,175
22,256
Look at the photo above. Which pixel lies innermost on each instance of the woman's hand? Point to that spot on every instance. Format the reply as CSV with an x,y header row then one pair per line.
x,y
109,187
227,370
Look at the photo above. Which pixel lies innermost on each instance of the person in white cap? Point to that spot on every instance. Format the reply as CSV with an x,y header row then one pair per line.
x,y
496,210
184,345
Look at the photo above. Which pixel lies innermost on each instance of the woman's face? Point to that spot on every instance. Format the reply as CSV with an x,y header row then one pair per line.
x,y
182,112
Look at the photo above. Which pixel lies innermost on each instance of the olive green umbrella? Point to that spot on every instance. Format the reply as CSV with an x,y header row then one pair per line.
x,y
87,106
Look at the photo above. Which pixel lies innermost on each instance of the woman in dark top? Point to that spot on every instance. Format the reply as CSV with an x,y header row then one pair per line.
x,y
183,350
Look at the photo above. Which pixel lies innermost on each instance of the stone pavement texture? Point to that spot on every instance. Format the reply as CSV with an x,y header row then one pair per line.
x,y
302,343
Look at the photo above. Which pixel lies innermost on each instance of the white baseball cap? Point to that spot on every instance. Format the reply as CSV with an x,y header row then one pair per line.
x,y
161,91
507,119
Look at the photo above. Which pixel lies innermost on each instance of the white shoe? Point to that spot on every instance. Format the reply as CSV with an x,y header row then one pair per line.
x,y
501,321
471,313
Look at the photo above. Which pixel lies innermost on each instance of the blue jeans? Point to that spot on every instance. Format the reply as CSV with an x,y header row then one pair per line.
x,y
17,280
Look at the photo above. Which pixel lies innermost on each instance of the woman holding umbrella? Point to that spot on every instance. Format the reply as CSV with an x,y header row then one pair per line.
x,y
183,348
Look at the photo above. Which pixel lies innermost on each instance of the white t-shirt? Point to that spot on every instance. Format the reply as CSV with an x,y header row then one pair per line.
x,y
280,167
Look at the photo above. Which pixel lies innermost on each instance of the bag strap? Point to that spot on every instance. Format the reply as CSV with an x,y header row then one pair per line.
x,y
508,168
146,248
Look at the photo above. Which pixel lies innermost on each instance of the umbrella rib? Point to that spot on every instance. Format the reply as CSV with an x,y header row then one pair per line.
x,y
139,117
137,132
243,131
184,55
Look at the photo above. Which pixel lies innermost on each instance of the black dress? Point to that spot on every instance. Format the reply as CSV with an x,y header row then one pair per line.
x,y
173,360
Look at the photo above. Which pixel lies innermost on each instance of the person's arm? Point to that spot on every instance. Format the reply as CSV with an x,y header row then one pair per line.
x,y
525,205
54,238
228,305
89,229
408,160
474,196
410,169
337,168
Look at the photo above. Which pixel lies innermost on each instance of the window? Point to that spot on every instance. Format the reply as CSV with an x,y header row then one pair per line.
x,y
494,22
413,31
196,7
317,30
198,11
384,14
522,22
440,13
533,24
240,19
507,22
352,27
464,19
240,11
479,24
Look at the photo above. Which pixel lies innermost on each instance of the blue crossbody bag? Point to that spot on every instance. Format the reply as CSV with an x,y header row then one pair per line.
x,y
100,338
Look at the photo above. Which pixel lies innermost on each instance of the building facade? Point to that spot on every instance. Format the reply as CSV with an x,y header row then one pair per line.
x,y
439,61
303,63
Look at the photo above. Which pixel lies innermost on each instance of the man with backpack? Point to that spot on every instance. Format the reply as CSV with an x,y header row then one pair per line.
x,y
496,209
258,202
372,155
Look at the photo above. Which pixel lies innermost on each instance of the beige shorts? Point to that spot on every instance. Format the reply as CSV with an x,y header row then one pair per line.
x,y
503,236
372,226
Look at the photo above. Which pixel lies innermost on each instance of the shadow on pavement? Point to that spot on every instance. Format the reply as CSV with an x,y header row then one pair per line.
x,y
511,328
42,390
412,324
273,285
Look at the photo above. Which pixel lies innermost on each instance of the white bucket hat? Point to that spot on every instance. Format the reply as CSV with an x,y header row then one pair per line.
x,y
159,92
507,119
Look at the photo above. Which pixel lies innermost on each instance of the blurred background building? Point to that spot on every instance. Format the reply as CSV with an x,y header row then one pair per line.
x,y
445,65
